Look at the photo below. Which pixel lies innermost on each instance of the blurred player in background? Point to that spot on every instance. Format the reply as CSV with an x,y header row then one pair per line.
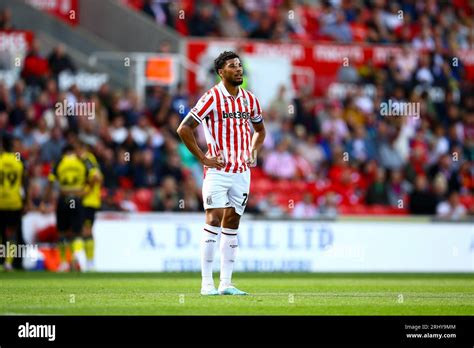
x,y
91,201
72,174
224,111
12,183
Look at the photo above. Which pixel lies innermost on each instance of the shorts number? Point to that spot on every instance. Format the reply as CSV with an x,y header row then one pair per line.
x,y
246,197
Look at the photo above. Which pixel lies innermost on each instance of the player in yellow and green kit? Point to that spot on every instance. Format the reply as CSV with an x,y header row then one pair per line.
x,y
12,179
72,174
91,201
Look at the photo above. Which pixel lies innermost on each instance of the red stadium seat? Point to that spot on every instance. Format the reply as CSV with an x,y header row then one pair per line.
x,y
143,198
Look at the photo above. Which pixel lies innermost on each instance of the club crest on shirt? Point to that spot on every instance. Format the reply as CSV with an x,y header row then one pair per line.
x,y
246,103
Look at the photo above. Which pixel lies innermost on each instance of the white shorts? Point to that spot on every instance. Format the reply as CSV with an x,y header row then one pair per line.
x,y
225,190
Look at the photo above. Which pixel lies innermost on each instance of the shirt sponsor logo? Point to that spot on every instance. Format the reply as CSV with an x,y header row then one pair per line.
x,y
244,115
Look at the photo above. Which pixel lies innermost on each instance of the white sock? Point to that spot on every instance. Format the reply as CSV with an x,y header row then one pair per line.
x,y
208,249
229,245
81,259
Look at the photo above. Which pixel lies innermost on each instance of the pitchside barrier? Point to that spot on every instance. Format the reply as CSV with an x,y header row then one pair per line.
x,y
158,242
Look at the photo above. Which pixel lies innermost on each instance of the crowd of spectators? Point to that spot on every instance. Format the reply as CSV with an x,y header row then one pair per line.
x,y
324,154
423,23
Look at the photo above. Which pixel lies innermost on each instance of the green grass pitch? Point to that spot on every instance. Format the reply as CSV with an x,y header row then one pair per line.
x,y
26,293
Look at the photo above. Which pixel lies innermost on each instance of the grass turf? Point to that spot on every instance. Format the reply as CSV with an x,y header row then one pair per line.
x,y
26,293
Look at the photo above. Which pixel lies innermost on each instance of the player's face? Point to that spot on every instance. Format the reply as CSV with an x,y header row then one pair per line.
x,y
233,72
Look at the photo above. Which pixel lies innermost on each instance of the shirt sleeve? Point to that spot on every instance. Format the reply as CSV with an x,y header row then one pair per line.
x,y
256,112
203,107
87,167
52,176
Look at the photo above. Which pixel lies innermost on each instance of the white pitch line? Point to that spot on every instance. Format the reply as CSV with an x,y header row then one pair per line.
x,y
28,314
328,294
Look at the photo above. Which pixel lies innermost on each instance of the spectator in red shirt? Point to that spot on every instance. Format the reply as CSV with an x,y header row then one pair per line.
x,y
35,67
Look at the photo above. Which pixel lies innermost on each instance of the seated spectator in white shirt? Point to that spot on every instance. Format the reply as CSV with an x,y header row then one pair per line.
x,y
306,208
451,209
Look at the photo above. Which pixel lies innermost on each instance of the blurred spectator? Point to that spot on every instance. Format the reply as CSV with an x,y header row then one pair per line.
x,y
60,61
334,127
3,122
281,163
192,197
229,25
167,197
378,191
440,187
451,209
18,113
204,22
270,208
361,147
264,29
442,167
118,132
280,104
252,206
422,201
180,102
6,20
338,29
173,167
305,113
398,189
462,180
306,208
328,206
35,195
108,168
35,67
24,132
127,203
51,150
158,10
145,170
141,132
109,203
440,143
388,155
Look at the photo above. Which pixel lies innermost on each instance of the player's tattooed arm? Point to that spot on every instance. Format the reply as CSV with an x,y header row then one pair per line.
x,y
186,133
257,142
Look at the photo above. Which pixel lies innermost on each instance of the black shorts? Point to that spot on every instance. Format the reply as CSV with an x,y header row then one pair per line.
x,y
10,218
69,214
89,216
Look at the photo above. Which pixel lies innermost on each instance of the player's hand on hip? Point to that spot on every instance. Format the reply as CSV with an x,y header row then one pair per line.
x,y
214,162
252,160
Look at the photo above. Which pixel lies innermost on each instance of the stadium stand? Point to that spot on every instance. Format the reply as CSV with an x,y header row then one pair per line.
x,y
395,165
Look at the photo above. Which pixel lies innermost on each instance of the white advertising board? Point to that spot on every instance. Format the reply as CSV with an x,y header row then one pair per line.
x,y
171,243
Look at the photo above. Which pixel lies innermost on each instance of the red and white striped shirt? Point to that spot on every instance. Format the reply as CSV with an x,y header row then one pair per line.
x,y
226,124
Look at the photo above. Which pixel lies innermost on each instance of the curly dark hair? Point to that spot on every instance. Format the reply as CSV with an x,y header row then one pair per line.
x,y
219,62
